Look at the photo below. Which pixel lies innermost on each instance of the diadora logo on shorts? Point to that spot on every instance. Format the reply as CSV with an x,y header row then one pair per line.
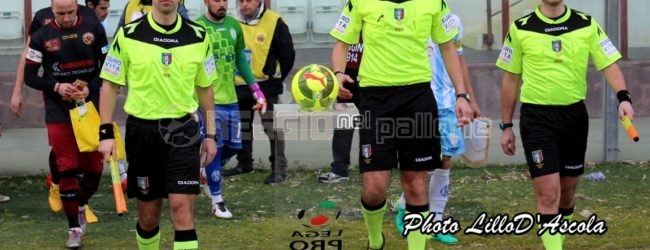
x,y
187,182
423,159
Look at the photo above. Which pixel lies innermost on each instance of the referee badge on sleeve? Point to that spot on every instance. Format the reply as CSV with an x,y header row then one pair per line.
x,y
506,54
209,66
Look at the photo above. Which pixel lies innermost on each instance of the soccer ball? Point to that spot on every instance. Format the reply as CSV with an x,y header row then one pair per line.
x,y
314,87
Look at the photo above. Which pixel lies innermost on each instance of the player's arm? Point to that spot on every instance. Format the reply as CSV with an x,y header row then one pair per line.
x,y
346,31
107,97
204,79
616,81
244,69
443,30
17,94
206,103
510,61
282,44
33,61
605,57
339,62
468,86
509,91
453,66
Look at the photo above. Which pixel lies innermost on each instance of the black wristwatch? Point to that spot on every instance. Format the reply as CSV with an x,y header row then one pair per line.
x,y
463,95
504,126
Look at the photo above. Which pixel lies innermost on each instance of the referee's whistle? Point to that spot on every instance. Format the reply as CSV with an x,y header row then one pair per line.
x,y
629,127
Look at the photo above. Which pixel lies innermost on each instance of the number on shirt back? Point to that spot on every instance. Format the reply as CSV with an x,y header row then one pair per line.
x,y
352,57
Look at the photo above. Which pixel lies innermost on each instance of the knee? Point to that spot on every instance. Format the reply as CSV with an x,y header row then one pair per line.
x,y
373,197
148,223
548,198
567,198
414,184
179,208
148,220
69,179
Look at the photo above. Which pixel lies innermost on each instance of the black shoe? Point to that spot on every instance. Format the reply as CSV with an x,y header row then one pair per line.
x,y
274,178
383,242
236,171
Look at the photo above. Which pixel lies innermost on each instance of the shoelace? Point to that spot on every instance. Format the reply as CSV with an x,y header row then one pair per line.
x,y
222,206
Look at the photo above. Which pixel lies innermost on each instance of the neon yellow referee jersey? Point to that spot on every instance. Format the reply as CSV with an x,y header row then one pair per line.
x,y
161,68
553,55
395,38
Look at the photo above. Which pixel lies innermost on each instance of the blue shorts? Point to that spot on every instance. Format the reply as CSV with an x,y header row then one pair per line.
x,y
228,125
228,122
451,136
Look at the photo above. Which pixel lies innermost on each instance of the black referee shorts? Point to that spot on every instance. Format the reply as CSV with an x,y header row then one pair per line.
x,y
554,138
399,129
163,157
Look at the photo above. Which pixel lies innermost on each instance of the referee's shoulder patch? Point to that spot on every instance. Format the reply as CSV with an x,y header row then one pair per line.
x,y
506,54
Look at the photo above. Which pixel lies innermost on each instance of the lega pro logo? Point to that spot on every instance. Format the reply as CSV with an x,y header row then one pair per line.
x,y
317,228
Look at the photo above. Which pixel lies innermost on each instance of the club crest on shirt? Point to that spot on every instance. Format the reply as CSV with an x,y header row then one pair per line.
x,y
557,46
88,38
538,158
52,45
166,59
398,13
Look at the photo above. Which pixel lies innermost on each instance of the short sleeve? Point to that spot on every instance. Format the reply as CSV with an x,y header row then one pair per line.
x,y
348,26
206,75
444,26
116,63
458,38
602,50
510,58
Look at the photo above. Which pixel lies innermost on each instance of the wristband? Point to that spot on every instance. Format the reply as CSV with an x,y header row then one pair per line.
x,y
210,137
623,96
106,131
257,92
338,72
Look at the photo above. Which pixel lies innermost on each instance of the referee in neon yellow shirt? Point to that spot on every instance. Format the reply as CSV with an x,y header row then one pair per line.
x,y
549,50
164,60
396,100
